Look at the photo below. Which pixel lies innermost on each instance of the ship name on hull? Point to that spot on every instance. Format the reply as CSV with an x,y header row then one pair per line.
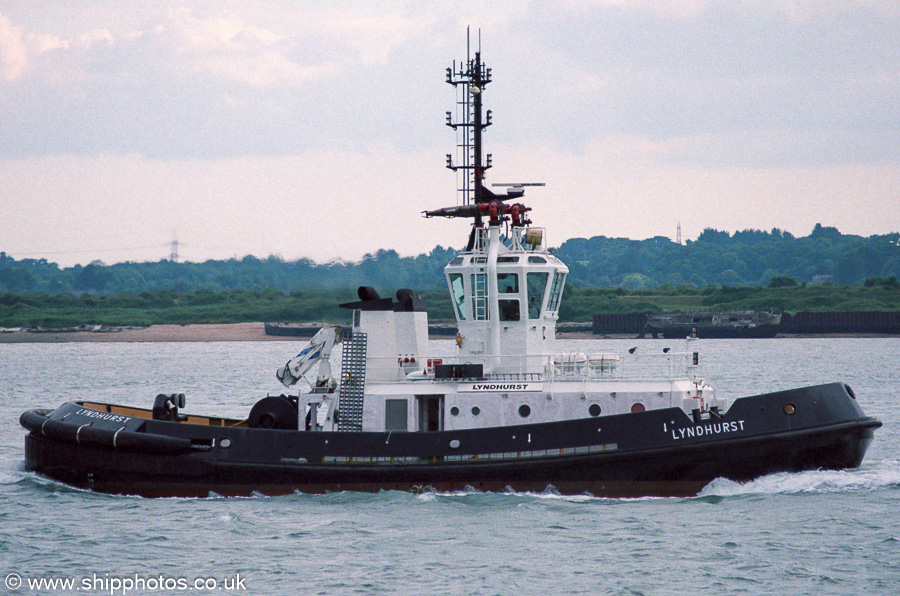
x,y
88,413
499,386
716,428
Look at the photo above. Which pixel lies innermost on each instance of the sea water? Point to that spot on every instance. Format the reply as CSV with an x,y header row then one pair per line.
x,y
820,532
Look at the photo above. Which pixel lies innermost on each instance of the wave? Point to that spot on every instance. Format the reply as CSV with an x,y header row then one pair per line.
x,y
882,475
548,494
11,477
877,476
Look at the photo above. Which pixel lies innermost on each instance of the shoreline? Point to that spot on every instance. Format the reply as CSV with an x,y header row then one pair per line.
x,y
209,332
154,333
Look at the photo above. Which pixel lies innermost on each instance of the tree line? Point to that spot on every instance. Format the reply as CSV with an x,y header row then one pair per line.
x,y
749,257
826,270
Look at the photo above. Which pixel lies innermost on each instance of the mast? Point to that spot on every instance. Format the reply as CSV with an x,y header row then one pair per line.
x,y
470,78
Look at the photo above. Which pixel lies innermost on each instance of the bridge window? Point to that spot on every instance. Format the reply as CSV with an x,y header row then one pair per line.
x,y
508,283
536,284
509,310
559,279
459,295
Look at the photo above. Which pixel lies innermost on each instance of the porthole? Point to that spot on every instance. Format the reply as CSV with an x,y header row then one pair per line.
x,y
454,444
225,443
594,410
454,411
637,408
789,409
524,410
476,411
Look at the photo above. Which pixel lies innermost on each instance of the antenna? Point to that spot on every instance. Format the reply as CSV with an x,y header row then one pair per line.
x,y
470,79
174,255
678,234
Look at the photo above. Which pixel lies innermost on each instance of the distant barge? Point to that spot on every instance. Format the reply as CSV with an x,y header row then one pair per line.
x,y
714,324
307,330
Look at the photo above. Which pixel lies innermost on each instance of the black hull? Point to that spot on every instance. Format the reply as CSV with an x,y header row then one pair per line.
x,y
655,453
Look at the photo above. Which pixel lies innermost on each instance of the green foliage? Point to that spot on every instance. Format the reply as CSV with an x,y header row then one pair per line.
x,y
826,270
783,281
382,269
580,304
749,257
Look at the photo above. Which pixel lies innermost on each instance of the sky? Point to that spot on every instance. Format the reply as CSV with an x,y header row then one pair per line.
x,y
317,129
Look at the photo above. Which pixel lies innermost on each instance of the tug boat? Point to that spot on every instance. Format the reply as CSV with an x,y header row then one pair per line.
x,y
502,410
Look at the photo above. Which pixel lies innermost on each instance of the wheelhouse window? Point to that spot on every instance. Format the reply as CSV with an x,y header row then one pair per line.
x,y
509,310
536,284
508,283
457,291
559,279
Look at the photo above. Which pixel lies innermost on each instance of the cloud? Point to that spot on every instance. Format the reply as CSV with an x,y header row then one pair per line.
x,y
662,8
635,113
222,46
43,43
20,52
94,36
247,78
793,10
13,52
227,47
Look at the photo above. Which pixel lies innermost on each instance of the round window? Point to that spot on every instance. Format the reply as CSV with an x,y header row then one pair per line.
x,y
524,410
637,408
476,411
454,411
594,410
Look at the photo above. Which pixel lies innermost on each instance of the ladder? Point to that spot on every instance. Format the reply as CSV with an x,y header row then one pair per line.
x,y
353,382
479,297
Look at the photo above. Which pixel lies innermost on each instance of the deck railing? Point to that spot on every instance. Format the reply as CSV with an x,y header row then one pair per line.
x,y
567,366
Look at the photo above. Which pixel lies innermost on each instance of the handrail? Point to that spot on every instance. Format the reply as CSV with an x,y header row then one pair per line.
x,y
565,366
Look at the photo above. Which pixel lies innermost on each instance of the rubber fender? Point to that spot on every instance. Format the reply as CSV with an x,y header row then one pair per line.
x,y
60,431
33,419
121,440
150,443
276,412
